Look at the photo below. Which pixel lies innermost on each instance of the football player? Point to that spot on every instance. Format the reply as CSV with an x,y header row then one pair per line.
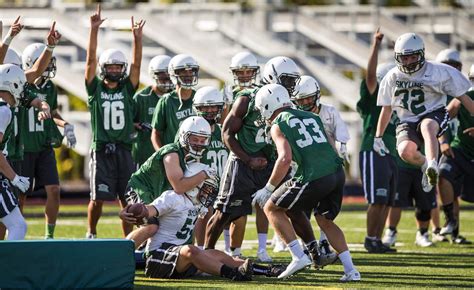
x,y
164,170
177,105
169,253
112,111
417,91
145,104
318,185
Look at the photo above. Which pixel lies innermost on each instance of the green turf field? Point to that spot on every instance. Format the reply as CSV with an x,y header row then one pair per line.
x,y
443,265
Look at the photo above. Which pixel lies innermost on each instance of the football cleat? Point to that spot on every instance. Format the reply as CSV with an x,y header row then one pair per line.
x,y
295,266
326,255
460,240
437,237
262,256
353,275
422,240
389,238
91,236
376,246
275,270
244,272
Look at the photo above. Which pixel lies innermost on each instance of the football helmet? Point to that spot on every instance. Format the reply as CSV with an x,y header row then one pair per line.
x,y
112,56
205,193
183,70
283,71
270,98
471,73
31,54
383,69
450,57
194,126
158,70
12,57
307,87
208,97
244,61
12,80
409,44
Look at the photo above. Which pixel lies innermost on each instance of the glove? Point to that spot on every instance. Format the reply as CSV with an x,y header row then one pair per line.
x,y
262,195
202,212
379,146
21,182
343,152
211,173
70,136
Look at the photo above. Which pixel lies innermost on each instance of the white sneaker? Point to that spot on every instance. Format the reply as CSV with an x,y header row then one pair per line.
x,y
91,236
389,238
279,245
422,240
262,256
296,266
353,275
437,237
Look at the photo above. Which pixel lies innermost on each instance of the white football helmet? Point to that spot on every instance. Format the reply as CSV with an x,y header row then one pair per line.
x,y
205,193
409,44
12,80
194,126
208,97
270,98
180,64
281,70
158,70
383,69
31,54
471,73
112,56
307,87
244,61
12,57
450,57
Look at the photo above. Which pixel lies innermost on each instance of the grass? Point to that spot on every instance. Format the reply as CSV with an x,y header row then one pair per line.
x,y
444,265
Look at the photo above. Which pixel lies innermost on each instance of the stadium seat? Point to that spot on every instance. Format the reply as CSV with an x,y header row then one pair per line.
x,y
59,264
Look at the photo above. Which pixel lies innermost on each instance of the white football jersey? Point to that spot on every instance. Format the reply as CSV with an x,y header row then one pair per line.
x,y
5,118
334,126
412,96
177,216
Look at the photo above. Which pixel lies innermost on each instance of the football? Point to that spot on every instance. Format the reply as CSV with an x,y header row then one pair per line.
x,y
138,210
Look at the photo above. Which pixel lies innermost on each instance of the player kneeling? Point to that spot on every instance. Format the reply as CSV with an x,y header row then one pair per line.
x,y
169,253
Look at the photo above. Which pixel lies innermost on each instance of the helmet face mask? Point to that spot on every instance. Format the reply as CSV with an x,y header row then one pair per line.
x,y
114,72
113,65
50,71
288,81
208,193
208,103
245,77
409,53
194,136
283,71
211,112
187,77
163,80
307,94
307,103
195,144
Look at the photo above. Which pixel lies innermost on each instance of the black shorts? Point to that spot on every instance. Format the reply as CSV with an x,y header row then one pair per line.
x,y
8,200
411,130
238,184
41,168
409,189
459,171
161,263
379,177
324,195
109,173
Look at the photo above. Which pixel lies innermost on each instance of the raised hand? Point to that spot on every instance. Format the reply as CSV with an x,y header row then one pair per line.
x,y
378,36
15,28
52,39
137,28
96,19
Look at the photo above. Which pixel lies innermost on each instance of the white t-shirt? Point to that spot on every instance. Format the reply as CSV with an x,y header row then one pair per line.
x,y
177,216
412,96
334,126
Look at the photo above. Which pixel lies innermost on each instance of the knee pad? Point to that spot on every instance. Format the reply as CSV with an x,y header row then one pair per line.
x,y
423,215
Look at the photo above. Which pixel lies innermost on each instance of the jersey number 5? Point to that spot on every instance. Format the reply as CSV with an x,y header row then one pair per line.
x,y
114,117
308,139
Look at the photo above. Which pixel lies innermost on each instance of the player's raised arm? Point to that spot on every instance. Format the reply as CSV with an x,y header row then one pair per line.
x,y
40,66
137,31
91,60
371,77
14,30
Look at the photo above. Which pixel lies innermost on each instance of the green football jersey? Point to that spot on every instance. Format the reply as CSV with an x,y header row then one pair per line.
x,y
145,104
150,180
216,154
41,135
112,112
369,111
309,144
251,135
15,145
169,114
461,140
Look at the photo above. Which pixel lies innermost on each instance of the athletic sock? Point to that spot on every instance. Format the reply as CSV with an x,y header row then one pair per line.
x,y
449,211
236,251
346,261
227,240
322,236
423,230
262,242
50,231
392,228
295,249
